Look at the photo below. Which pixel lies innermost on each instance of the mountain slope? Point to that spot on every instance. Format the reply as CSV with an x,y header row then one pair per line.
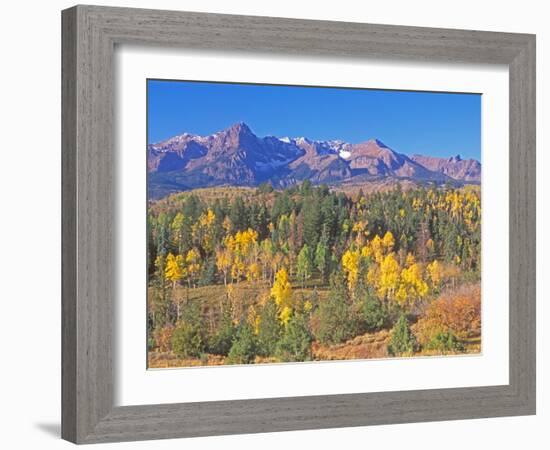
x,y
236,156
468,170
375,158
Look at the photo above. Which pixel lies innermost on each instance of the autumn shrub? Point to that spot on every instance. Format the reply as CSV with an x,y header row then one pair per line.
x,y
269,329
402,341
188,338
245,346
163,338
295,343
457,311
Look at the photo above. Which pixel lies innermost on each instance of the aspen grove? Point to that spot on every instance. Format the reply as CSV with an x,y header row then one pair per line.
x,y
250,275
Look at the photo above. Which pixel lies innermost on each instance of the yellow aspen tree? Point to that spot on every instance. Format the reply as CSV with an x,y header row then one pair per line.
x,y
411,287
206,221
377,248
350,264
285,314
223,262
174,268
282,294
388,241
389,277
410,260
373,275
253,319
174,272
435,272
360,228
242,245
229,243
366,251
237,268
253,272
192,265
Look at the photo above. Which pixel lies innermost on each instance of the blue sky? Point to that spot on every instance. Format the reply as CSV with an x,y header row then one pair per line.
x,y
436,124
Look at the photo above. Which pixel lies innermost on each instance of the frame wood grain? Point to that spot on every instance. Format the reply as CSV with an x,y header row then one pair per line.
x,y
90,34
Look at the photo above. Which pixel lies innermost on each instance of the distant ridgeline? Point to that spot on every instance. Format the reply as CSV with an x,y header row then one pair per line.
x,y
236,156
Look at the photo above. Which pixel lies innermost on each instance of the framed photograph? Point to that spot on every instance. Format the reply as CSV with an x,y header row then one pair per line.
x,y
277,224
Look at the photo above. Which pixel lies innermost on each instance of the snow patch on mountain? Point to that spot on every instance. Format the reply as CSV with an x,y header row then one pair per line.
x,y
344,154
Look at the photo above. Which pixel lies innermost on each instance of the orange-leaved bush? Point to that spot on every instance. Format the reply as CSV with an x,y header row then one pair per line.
x,y
457,311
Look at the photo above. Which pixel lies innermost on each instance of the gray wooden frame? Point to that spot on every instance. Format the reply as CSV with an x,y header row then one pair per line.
x,y
90,34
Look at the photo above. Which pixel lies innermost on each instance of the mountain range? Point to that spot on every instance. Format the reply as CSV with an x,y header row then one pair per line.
x,y
236,156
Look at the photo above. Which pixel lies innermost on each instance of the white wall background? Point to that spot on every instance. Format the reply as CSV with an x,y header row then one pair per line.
x,y
30,222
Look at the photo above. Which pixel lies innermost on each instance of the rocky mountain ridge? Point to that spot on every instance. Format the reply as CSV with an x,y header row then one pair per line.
x,y
236,156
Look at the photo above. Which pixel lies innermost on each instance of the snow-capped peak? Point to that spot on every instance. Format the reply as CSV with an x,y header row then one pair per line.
x,y
344,154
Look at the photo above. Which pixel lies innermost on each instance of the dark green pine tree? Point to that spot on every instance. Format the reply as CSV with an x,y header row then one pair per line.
x,y
312,221
238,214
402,340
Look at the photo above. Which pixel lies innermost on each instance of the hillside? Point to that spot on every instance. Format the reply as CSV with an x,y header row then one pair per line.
x,y
241,275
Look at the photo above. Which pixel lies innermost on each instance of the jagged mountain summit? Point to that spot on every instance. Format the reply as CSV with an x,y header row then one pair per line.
x,y
468,170
236,156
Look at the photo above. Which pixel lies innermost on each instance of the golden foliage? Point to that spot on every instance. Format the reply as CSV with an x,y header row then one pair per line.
x,y
350,264
412,287
458,311
282,294
388,278
377,262
404,285
254,319
223,262
253,272
388,241
174,270
441,273
192,263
